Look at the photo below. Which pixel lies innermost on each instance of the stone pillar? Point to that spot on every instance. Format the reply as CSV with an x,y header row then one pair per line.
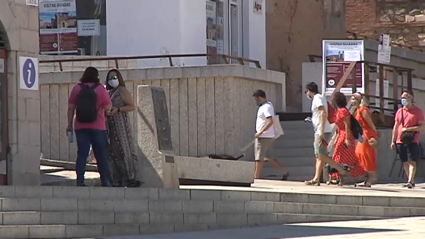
x,y
21,24
155,149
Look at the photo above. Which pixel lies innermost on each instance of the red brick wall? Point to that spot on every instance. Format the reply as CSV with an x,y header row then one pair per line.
x,y
403,20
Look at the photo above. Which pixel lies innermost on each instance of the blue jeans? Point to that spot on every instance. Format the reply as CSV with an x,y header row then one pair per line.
x,y
97,139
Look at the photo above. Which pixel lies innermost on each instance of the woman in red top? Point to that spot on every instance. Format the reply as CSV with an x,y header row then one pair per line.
x,y
364,151
345,144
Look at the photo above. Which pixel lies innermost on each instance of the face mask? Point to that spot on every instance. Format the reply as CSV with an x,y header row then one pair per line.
x,y
113,82
308,97
404,102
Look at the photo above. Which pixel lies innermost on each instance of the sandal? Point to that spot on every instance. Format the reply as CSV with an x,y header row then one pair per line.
x,y
312,183
285,176
364,185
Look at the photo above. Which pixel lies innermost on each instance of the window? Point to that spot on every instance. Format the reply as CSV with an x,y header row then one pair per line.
x,y
223,29
72,27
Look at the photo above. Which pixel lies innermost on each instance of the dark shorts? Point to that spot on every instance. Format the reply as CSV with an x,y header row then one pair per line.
x,y
410,152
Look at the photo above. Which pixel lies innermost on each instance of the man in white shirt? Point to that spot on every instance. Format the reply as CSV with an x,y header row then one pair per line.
x,y
322,133
265,135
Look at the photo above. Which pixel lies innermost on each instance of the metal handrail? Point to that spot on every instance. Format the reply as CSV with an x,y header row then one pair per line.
x,y
225,58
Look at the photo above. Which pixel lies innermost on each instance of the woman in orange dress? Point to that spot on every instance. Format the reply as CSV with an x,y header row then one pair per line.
x,y
364,151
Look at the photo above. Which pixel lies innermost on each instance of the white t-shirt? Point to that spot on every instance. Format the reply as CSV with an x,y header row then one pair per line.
x,y
319,100
264,111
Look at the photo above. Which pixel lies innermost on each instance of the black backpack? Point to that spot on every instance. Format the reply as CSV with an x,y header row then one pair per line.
x,y
86,110
356,129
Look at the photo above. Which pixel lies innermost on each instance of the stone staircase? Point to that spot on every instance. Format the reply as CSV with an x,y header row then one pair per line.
x,y
71,212
294,150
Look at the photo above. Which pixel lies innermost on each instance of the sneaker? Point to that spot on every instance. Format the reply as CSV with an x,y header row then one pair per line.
x,y
409,185
81,185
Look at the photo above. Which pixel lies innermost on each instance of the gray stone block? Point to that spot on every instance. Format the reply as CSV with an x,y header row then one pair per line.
x,y
265,196
166,218
54,218
96,205
282,207
33,192
7,191
236,195
206,169
96,218
51,231
258,207
157,168
156,228
229,207
200,218
141,193
71,192
106,193
197,206
196,194
78,231
21,218
131,205
190,228
120,230
166,206
131,218
14,232
262,219
174,194
232,219
20,204
59,204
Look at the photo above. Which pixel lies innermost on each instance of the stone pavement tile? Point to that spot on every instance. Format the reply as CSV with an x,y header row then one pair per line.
x,y
404,228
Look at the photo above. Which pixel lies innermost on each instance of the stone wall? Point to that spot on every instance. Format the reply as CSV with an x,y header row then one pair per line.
x,y
21,32
211,108
404,20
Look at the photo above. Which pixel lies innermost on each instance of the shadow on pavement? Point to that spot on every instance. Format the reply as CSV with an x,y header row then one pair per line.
x,y
271,232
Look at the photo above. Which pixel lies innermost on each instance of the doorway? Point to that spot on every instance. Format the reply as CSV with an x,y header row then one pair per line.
x,y
4,118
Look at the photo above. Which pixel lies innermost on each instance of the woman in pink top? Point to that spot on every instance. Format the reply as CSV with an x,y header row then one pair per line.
x,y
89,100
409,121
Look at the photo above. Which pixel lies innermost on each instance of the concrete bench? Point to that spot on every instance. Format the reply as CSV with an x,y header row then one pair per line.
x,y
206,171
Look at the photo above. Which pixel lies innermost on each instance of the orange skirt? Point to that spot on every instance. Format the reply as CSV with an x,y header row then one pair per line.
x,y
366,156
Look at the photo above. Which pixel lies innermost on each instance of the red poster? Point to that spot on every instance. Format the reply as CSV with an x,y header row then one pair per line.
x,y
336,70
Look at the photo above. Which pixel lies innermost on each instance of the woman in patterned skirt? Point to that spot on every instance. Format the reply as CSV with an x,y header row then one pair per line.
x,y
121,148
345,148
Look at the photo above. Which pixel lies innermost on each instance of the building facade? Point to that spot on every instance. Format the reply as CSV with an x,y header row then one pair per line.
x,y
20,107
295,29
154,27
403,20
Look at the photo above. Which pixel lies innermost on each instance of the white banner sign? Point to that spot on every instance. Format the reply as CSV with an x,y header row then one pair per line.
x,y
57,6
2,70
384,49
33,3
89,27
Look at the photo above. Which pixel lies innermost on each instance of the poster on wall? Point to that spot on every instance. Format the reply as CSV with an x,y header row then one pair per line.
x,y
58,26
384,49
211,13
386,87
258,7
337,56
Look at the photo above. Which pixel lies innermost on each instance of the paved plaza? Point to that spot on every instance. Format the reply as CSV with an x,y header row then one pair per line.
x,y
404,228
387,190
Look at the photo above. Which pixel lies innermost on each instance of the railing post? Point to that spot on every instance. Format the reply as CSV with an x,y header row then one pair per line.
x,y
395,89
170,60
381,93
116,64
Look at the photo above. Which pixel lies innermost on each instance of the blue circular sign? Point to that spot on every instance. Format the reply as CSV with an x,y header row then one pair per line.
x,y
28,73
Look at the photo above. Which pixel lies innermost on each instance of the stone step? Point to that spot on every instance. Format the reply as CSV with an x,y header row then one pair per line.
x,y
64,211
46,195
295,125
270,171
297,161
297,134
224,221
292,153
288,143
